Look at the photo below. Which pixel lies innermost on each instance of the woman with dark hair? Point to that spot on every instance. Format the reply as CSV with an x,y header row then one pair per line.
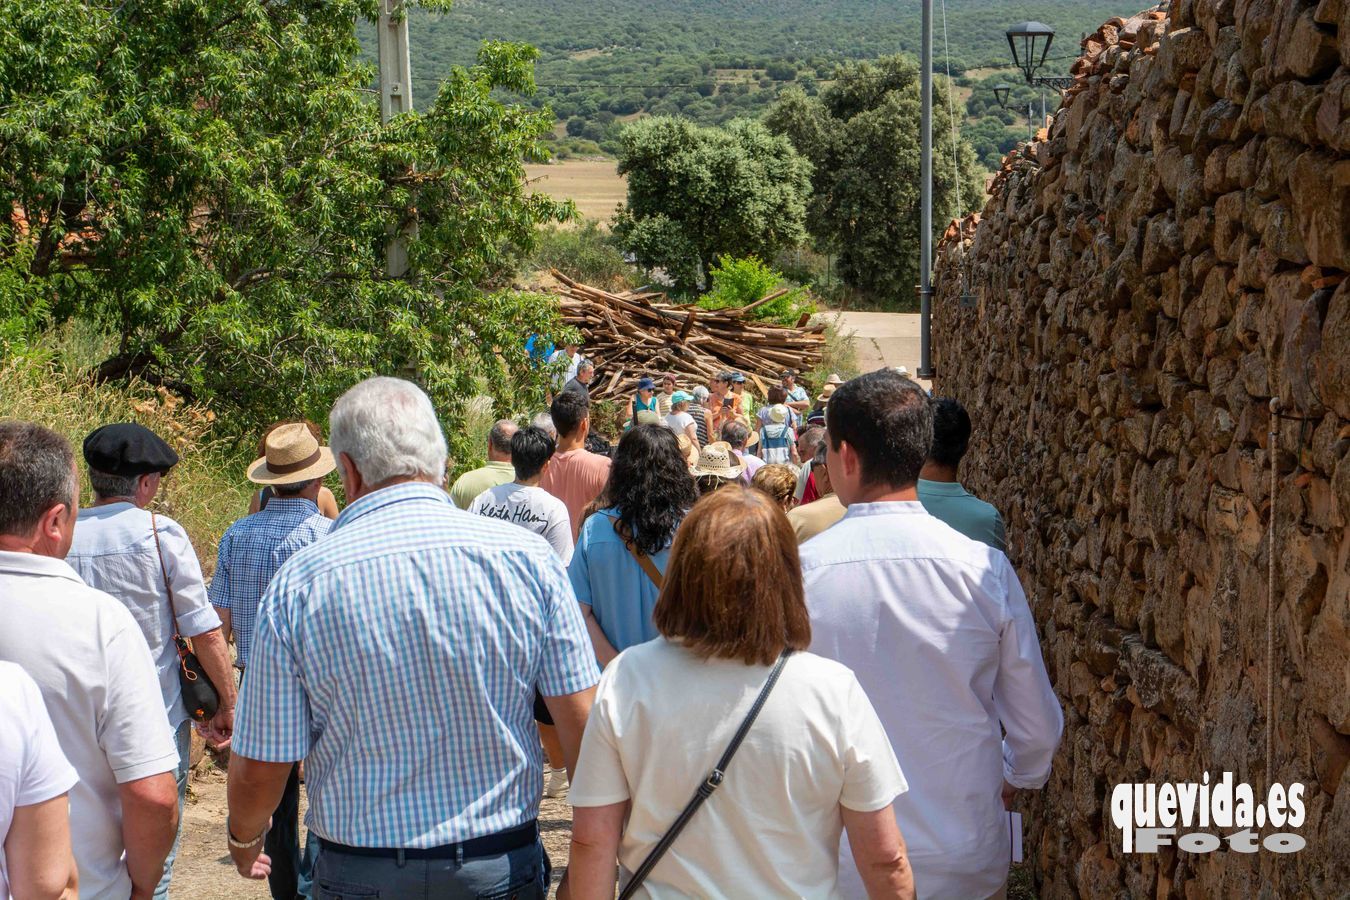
x,y
622,549
814,762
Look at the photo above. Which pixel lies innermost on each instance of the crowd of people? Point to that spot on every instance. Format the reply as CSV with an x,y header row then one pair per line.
x,y
806,625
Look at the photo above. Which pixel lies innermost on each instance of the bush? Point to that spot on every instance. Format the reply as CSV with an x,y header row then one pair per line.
x,y
207,490
586,253
740,282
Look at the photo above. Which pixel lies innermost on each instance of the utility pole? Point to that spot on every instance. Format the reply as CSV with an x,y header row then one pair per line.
x,y
395,98
926,193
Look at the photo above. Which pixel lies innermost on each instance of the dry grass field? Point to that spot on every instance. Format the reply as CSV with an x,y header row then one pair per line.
x,y
592,184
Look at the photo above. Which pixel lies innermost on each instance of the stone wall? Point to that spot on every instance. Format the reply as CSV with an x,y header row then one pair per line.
x,y
1169,256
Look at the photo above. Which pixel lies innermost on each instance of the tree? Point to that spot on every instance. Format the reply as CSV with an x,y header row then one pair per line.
x,y
696,193
861,135
210,182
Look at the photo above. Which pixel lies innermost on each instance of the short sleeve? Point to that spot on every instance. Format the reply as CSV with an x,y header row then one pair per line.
x,y
600,779
45,773
133,729
272,722
558,532
196,615
872,776
219,590
578,570
568,663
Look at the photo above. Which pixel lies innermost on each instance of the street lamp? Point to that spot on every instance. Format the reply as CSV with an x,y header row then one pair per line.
x,y
1030,36
1003,94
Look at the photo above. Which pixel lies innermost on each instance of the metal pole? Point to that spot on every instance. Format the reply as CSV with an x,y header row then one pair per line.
x,y
1031,111
395,98
926,193
1042,105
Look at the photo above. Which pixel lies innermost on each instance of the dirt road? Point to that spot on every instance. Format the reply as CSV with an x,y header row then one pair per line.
x,y
882,339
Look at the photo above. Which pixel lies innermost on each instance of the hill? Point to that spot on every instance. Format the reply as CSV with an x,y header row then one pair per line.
x,y
602,61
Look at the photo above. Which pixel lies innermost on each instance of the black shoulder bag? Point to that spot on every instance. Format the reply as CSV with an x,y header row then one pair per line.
x,y
710,784
199,694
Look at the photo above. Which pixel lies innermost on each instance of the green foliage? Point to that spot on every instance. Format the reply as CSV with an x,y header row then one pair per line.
x,y
695,193
652,56
586,253
209,181
861,136
740,282
990,140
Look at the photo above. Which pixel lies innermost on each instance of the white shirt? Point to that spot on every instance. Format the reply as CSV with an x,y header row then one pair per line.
x,y
530,507
940,635
572,363
114,551
678,422
663,717
91,664
32,768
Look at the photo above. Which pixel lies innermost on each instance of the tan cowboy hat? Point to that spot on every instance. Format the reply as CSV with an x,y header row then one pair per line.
x,y
687,449
293,455
826,393
716,459
648,417
834,379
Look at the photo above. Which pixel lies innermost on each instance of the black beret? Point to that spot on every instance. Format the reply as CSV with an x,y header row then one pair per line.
x,y
128,449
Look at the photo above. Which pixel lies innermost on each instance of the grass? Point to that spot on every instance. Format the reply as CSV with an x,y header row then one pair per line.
x,y
49,384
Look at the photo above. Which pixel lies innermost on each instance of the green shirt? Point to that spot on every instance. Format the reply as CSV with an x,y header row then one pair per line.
x,y
468,486
963,511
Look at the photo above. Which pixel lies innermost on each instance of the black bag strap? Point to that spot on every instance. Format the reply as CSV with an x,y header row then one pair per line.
x,y
710,784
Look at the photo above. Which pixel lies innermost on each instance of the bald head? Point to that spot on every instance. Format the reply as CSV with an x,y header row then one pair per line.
x,y
499,440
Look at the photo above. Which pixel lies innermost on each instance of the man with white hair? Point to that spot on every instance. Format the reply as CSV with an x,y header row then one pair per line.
x,y
399,658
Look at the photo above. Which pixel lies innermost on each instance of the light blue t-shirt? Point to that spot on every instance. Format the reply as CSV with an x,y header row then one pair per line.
x,y
607,578
963,511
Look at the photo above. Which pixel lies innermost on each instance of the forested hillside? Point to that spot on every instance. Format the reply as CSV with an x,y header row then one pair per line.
x,y
604,61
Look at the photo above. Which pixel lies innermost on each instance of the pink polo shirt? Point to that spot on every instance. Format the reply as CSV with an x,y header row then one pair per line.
x,y
576,478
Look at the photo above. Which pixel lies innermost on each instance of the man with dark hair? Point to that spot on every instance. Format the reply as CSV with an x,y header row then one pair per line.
x,y
891,591
93,668
737,436
251,551
146,560
498,470
522,501
576,476
941,494
580,383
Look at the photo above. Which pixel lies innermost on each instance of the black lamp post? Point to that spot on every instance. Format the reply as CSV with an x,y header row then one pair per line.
x,y
1030,43
1003,94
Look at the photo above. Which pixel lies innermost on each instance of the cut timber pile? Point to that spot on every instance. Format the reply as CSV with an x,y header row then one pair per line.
x,y
630,334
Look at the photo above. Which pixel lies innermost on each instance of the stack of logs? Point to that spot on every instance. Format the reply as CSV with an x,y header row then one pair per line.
x,y
631,334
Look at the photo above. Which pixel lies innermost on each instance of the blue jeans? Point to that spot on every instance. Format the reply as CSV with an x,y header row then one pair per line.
x,y
521,874
183,739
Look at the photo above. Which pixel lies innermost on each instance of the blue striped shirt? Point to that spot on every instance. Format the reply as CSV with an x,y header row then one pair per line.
x,y
252,551
399,657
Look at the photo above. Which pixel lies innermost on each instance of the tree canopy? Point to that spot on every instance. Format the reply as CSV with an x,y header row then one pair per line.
x,y
861,135
209,181
696,193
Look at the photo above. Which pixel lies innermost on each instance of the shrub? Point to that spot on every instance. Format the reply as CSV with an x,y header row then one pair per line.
x,y
586,253
740,282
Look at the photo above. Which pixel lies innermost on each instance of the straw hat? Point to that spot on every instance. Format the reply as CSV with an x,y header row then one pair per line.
x,y
293,455
834,379
826,393
716,459
687,449
648,417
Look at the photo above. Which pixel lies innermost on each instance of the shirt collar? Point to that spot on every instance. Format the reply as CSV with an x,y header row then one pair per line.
x,y
377,500
34,564
290,504
886,508
499,464
942,488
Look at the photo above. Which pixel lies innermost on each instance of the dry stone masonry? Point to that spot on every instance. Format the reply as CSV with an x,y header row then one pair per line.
x,y
1165,259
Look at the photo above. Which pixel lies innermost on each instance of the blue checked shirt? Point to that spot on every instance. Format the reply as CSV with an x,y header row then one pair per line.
x,y
252,551
399,656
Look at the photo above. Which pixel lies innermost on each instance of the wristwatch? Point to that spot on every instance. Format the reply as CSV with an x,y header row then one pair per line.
x,y
242,845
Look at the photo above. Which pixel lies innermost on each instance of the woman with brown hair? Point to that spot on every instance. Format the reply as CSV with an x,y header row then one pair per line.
x,y
815,760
